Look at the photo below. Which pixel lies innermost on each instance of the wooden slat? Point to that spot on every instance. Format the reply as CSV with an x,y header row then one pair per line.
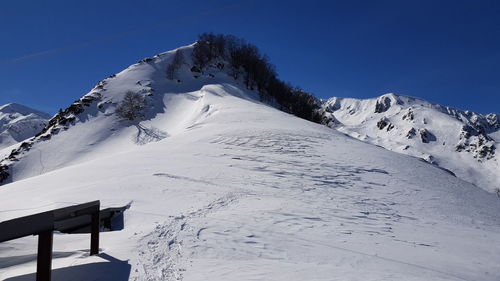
x,y
64,219
76,210
68,225
37,223
25,226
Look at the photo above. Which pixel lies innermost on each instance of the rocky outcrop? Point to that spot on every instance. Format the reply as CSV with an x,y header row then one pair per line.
x,y
411,133
4,174
60,122
464,141
409,116
476,142
382,123
493,121
426,136
383,104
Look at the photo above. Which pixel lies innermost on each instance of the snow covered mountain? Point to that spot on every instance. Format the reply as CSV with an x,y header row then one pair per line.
x,y
90,128
463,142
224,187
18,122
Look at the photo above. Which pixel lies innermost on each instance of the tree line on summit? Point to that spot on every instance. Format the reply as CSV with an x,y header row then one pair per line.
x,y
247,63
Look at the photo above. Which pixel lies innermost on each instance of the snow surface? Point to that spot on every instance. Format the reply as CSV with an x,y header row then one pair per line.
x,y
18,122
223,187
357,118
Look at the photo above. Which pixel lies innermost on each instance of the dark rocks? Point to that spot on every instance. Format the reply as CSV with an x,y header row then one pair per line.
x,y
481,146
195,69
4,174
467,132
460,147
486,151
477,142
145,60
493,121
87,99
26,145
411,133
382,123
426,136
329,120
69,114
60,121
383,104
100,85
45,137
409,115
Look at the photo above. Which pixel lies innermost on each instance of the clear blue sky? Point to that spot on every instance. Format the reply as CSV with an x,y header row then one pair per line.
x,y
447,52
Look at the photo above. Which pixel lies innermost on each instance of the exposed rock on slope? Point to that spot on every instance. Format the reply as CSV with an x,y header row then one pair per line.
x,y
461,141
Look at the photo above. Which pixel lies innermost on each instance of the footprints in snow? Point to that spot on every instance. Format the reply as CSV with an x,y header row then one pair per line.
x,y
164,261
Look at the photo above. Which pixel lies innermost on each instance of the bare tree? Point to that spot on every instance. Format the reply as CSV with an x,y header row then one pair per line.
x,y
132,106
176,63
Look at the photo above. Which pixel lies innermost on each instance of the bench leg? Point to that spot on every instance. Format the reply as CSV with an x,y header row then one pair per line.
x,y
94,234
44,259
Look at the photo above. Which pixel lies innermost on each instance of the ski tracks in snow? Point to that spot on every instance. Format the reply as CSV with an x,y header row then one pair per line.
x,y
161,255
294,198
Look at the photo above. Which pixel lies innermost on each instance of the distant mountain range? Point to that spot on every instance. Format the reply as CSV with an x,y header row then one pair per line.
x,y
19,122
462,142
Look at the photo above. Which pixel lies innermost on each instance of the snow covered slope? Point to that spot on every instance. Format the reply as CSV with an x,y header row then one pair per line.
x,y
90,128
18,122
223,187
463,142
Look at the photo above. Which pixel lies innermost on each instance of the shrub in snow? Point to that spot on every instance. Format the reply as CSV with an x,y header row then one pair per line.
x,y
4,175
176,63
131,107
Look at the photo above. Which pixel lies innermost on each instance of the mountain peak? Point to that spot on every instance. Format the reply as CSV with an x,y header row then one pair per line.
x,y
21,109
464,142
19,122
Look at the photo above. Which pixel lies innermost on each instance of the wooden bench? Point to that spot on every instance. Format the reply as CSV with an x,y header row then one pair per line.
x,y
82,218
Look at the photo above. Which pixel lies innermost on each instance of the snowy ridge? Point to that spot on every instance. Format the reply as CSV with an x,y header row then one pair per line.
x,y
223,187
18,122
95,129
463,142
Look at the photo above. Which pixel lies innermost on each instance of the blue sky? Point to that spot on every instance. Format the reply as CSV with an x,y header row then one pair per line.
x,y
447,52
